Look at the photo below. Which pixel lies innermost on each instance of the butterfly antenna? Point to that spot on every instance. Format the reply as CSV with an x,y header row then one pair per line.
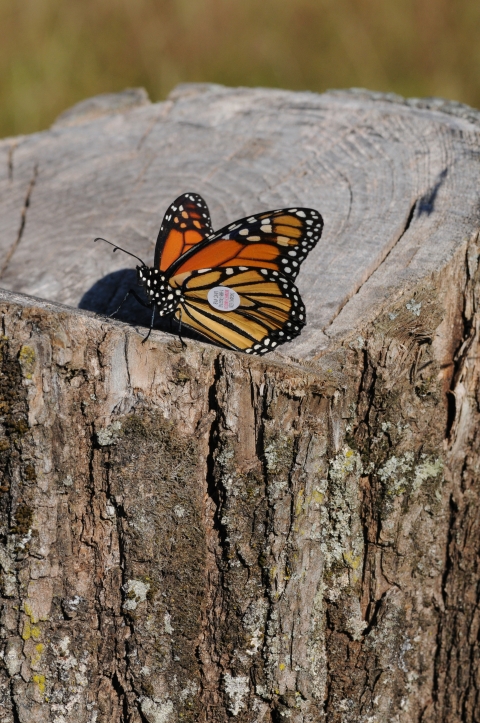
x,y
119,248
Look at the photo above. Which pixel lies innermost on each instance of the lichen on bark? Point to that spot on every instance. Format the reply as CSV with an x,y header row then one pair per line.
x,y
195,535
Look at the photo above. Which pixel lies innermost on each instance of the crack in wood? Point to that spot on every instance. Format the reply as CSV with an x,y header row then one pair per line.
x,y
207,653
23,220
387,252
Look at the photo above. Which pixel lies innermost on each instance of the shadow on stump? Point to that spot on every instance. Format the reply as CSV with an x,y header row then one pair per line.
x,y
106,294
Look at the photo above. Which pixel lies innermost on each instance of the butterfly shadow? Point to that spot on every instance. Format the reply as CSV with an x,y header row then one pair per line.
x,y
106,295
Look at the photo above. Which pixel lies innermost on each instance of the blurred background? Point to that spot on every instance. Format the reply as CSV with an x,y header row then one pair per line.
x,y
54,53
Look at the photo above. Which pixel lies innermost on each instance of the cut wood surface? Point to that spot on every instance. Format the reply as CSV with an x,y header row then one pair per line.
x,y
197,535
385,175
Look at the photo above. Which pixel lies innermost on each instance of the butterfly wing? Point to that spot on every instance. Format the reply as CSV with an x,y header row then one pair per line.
x,y
270,310
185,224
277,240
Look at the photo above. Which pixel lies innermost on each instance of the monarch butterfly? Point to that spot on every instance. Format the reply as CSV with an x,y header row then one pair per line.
x,y
233,286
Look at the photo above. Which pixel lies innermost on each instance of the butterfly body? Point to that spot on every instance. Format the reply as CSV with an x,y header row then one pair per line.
x,y
235,286
159,292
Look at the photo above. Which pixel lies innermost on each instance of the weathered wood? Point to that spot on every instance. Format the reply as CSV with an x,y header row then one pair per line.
x,y
197,535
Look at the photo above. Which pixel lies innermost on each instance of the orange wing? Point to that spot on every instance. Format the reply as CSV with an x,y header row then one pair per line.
x,y
277,240
267,309
185,224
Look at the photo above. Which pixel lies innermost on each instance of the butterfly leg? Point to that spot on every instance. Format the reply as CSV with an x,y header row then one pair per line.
x,y
135,295
151,326
184,346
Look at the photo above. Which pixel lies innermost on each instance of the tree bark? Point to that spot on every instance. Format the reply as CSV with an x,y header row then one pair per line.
x,y
198,535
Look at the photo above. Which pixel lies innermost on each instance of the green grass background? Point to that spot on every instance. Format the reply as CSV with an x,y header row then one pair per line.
x,y
54,53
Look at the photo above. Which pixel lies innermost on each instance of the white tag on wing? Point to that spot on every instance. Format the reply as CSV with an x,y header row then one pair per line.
x,y
223,299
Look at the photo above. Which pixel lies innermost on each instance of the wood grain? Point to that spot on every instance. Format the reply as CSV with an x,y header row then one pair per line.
x,y
191,534
395,182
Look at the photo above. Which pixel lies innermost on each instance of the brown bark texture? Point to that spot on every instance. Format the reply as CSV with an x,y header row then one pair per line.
x,y
192,534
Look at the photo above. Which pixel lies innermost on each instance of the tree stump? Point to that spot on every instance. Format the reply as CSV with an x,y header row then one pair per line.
x,y
199,535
